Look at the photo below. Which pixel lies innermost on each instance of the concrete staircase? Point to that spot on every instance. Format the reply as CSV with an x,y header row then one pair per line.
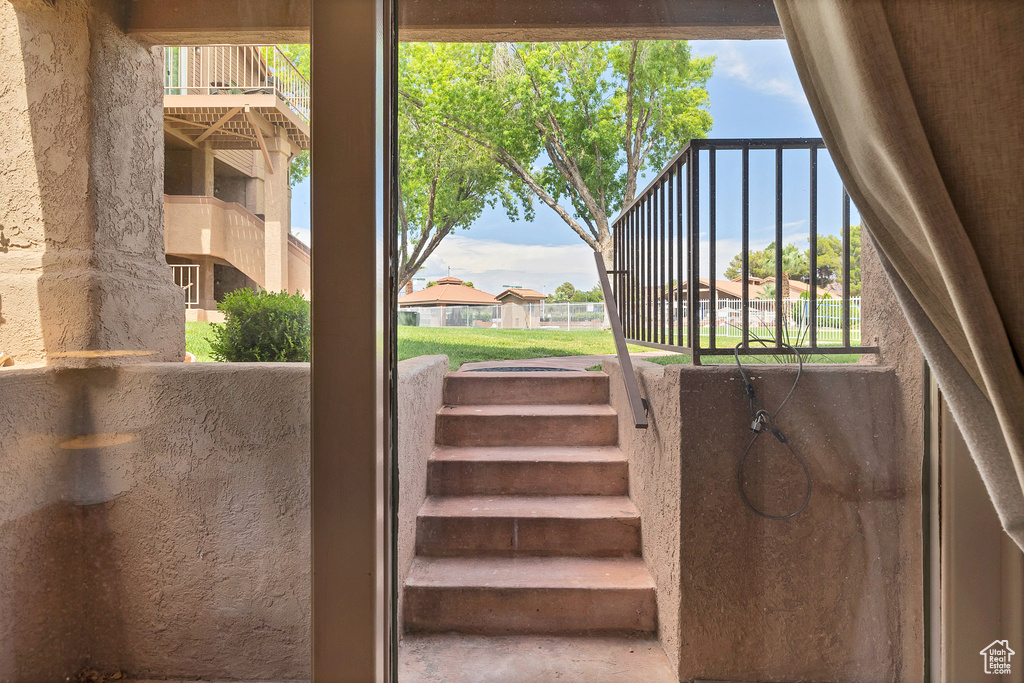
x,y
527,529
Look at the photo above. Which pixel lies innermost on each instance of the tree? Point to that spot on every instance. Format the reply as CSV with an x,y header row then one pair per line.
x,y
444,183
563,292
574,124
762,263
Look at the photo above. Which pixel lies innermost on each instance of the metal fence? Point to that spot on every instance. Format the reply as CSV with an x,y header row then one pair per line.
x,y
543,316
187,277
235,70
659,238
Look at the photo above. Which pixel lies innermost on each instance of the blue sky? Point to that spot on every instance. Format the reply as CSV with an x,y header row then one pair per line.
x,y
754,92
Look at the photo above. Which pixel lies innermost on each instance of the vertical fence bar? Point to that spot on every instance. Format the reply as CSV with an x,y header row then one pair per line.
x,y
778,248
846,268
655,262
671,289
645,291
693,229
813,298
635,220
712,239
663,294
745,249
680,245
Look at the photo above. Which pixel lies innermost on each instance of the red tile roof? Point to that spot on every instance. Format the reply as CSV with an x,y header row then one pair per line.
x,y
528,295
449,291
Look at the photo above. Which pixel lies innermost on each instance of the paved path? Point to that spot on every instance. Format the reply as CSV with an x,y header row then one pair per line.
x,y
558,362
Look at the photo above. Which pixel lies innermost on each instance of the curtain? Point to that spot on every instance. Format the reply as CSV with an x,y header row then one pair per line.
x,y
921,103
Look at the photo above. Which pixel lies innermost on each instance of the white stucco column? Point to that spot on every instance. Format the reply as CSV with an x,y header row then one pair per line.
x,y
207,301
83,280
277,214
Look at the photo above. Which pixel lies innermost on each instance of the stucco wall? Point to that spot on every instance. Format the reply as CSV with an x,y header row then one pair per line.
x,y
420,389
833,594
176,542
80,196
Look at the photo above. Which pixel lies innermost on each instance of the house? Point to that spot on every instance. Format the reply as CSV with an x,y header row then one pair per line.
x,y
234,118
732,290
519,308
450,293
997,655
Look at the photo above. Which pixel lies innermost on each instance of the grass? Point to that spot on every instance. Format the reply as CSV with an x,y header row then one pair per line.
x,y
196,343
464,345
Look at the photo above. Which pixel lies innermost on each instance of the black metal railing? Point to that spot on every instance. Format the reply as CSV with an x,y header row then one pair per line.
x,y
664,302
637,404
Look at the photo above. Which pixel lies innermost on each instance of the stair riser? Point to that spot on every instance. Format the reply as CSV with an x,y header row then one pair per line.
x,y
499,611
527,430
592,389
467,478
511,537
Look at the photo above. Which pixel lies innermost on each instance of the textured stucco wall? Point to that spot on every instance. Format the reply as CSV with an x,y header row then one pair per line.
x,y
420,393
81,190
654,477
833,594
176,542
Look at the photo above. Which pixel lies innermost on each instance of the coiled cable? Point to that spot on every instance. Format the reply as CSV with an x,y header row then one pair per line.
x,y
763,421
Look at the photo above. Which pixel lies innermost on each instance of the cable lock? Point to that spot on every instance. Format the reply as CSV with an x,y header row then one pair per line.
x,y
763,422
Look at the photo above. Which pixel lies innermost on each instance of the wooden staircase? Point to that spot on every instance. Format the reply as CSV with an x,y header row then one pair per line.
x,y
528,529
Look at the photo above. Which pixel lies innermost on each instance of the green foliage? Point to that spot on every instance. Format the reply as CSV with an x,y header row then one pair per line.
x,y
599,112
563,292
262,327
299,55
468,284
432,283
797,263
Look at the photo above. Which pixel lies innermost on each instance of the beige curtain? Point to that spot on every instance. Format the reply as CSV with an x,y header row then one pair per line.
x,y
921,103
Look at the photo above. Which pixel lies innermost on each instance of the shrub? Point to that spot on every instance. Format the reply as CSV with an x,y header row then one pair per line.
x,y
262,327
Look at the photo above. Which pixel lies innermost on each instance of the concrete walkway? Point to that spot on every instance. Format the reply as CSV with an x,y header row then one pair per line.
x,y
557,363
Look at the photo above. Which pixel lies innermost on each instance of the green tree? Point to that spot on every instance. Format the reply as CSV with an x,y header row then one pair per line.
x,y
762,263
574,124
563,292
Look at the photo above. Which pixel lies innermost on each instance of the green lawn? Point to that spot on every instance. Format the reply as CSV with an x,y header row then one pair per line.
x,y
463,345
195,340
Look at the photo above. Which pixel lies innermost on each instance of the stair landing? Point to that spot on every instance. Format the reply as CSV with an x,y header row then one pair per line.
x,y
532,659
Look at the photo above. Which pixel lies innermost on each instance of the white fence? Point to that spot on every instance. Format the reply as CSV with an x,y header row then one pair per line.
x,y
556,316
187,277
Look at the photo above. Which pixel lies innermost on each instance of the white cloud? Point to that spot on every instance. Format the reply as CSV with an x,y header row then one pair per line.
x,y
490,264
757,69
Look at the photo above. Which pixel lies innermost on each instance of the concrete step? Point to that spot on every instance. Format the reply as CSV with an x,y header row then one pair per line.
x,y
556,595
527,471
518,388
532,659
527,425
517,526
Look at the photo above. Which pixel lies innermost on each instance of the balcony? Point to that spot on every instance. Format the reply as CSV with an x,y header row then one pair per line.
x,y
234,95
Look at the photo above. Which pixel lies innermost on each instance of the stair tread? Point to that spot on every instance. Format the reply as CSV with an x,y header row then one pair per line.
x,y
530,573
529,410
564,507
484,375
529,454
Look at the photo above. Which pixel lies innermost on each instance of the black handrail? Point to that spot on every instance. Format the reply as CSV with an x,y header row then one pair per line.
x,y
657,241
637,405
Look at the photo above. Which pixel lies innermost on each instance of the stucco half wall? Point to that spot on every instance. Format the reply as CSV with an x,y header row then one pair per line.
x,y
833,594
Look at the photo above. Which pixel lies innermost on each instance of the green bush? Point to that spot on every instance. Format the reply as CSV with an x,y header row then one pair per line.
x,y
262,327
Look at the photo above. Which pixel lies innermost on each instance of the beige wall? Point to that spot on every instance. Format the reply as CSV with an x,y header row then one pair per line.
x,y
181,547
420,389
833,594
196,226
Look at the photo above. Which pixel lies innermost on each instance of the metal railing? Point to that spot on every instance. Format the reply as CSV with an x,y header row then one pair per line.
x,y
659,238
235,70
187,277
637,404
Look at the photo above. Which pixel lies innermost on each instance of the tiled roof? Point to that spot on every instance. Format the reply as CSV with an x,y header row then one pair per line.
x,y
448,291
525,294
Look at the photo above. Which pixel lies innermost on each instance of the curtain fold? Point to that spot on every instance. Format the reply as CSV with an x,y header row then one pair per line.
x,y
921,104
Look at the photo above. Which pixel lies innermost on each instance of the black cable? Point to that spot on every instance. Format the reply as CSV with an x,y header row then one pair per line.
x,y
762,422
